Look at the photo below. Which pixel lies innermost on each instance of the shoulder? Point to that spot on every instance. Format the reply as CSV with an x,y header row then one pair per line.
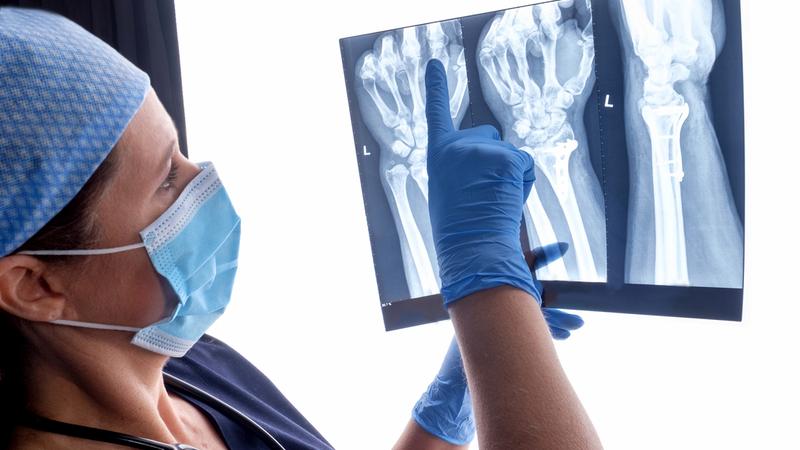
x,y
216,368
211,363
208,348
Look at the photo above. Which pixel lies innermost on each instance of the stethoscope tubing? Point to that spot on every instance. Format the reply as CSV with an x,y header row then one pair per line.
x,y
95,434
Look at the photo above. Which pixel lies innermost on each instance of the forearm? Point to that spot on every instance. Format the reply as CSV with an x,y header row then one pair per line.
x,y
521,396
414,437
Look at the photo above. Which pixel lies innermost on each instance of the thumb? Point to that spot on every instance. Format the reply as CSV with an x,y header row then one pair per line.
x,y
542,256
437,107
560,319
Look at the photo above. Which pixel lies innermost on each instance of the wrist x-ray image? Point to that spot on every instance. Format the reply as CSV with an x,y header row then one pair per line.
x,y
635,131
683,224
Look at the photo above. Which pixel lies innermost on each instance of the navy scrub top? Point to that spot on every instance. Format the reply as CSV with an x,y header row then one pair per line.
x,y
222,372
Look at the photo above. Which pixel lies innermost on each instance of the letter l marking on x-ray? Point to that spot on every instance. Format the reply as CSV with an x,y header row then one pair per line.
x,y
608,98
366,153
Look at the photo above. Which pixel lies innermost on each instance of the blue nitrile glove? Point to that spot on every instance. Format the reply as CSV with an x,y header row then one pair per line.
x,y
477,187
559,322
445,409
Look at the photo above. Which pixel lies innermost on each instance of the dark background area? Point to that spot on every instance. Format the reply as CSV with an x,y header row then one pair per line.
x,y
144,31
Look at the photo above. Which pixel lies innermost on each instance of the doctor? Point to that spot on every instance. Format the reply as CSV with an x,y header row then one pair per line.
x,y
117,253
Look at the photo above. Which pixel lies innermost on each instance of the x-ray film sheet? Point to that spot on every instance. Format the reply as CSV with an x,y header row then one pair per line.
x,y
632,110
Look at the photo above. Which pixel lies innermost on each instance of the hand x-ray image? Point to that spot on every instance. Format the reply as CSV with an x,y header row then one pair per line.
x,y
536,66
390,89
632,111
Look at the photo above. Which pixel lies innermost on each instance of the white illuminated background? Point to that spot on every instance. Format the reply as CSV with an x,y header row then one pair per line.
x,y
265,100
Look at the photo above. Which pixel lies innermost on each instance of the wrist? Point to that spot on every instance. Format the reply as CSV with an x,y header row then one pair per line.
x,y
484,265
446,415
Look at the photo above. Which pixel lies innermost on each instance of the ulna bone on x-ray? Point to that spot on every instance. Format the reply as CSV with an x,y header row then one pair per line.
x,y
390,87
683,227
536,66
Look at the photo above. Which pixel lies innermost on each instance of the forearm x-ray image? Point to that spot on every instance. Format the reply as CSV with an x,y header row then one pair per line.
x,y
389,83
683,226
536,67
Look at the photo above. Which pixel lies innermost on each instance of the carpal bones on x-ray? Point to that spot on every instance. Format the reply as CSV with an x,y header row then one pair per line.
x,y
537,73
390,84
671,47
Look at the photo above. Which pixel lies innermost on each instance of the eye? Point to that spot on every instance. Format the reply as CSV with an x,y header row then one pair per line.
x,y
169,182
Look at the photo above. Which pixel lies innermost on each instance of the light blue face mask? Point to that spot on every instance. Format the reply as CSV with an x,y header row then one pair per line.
x,y
194,245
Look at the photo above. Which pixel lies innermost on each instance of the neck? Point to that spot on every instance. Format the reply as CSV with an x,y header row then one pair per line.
x,y
98,379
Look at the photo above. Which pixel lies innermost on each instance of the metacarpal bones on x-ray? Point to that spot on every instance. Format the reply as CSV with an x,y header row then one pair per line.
x,y
390,88
537,71
688,207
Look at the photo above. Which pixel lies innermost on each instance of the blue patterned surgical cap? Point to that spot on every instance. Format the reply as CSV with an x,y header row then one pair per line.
x,y
65,99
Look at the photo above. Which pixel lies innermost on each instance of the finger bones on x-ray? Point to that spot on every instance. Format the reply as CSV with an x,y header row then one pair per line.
x,y
392,75
540,118
664,40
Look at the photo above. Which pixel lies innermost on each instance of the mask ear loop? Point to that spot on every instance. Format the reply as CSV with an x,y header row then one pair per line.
x,y
87,252
83,252
94,326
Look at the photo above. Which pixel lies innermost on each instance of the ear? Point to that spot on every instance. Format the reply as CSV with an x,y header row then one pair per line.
x,y
25,289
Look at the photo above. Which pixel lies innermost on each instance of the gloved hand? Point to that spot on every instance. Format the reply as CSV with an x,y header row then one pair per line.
x,y
445,409
559,322
477,187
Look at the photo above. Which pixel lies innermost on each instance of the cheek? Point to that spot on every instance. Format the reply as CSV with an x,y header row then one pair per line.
x,y
147,295
127,290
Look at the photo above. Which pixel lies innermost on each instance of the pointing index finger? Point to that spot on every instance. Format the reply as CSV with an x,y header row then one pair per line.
x,y
437,107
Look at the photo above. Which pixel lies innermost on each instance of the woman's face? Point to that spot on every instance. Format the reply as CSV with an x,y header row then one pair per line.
x,y
124,288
